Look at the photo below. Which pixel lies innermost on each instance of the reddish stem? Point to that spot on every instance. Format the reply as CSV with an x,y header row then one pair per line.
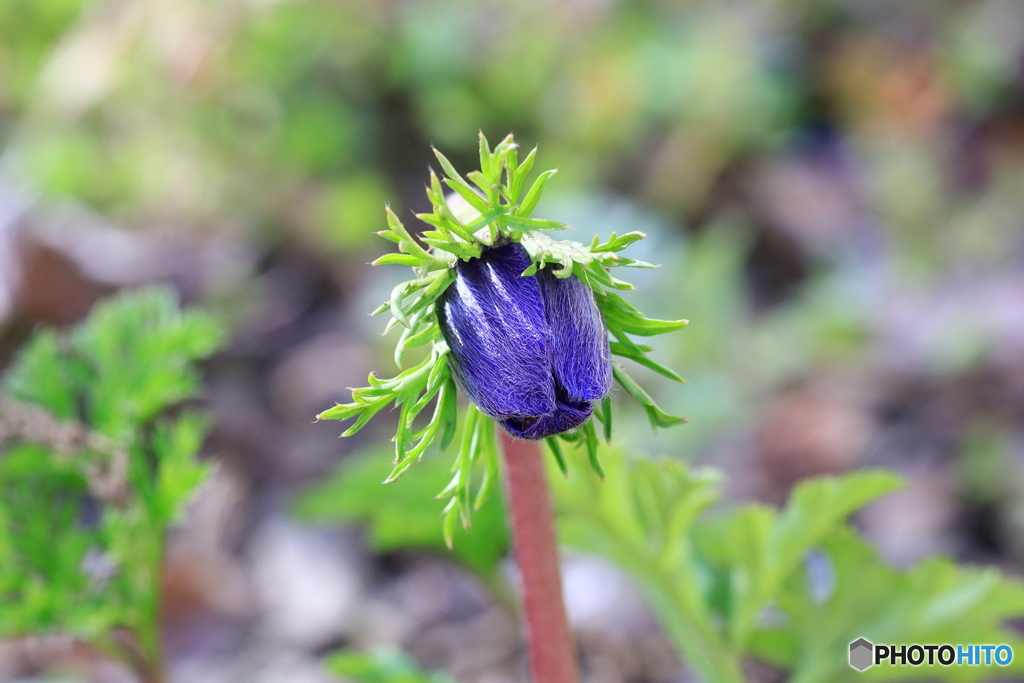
x,y
552,655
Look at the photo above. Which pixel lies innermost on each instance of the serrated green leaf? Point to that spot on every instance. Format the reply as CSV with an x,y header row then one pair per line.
x,y
639,517
131,361
934,601
763,548
617,242
406,241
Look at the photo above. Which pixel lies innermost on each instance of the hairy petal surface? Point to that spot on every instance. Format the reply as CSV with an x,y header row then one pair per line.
x,y
532,352
580,353
493,320
567,415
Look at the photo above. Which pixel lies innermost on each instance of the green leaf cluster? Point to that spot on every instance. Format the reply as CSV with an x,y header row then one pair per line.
x,y
792,587
487,207
93,469
934,602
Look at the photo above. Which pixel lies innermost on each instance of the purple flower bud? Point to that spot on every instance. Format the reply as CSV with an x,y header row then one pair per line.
x,y
531,352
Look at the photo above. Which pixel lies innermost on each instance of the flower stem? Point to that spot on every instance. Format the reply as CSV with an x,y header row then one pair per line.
x,y
552,655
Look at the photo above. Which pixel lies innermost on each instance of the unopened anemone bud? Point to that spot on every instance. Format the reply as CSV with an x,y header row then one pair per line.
x,y
530,351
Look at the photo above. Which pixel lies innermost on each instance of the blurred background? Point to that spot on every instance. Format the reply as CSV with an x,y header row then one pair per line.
x,y
834,189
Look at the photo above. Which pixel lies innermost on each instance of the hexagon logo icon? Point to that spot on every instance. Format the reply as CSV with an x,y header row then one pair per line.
x,y
861,654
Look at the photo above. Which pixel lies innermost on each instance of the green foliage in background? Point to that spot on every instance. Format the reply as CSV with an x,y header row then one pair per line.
x,y
791,587
934,602
94,469
381,666
407,513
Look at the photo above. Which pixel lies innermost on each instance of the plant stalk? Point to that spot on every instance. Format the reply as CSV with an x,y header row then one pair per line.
x,y
549,641
148,661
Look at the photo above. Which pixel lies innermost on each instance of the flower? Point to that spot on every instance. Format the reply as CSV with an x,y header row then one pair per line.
x,y
530,351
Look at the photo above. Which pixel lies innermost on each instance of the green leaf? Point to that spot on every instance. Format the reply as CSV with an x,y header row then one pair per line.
x,y
449,414
406,513
176,444
655,415
487,165
710,578
640,357
534,223
486,218
619,315
639,517
397,259
519,176
606,417
469,194
617,242
590,443
532,198
934,601
556,450
41,376
140,349
85,506
406,242
767,548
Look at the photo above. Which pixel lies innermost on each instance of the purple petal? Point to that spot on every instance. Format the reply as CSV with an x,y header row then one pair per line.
x,y
567,415
493,320
580,353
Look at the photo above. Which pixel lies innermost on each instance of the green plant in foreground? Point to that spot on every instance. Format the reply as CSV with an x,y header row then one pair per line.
x,y
490,211
790,587
93,471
